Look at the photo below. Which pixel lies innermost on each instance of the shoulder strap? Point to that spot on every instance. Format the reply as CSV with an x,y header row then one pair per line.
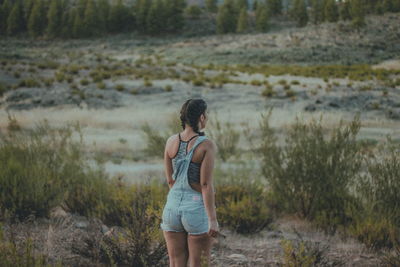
x,y
200,139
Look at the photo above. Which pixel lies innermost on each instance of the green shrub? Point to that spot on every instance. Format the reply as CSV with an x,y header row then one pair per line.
x,y
305,253
147,83
255,83
32,162
295,82
268,91
310,174
120,87
225,136
84,82
290,93
198,82
59,76
3,89
242,203
19,254
101,85
29,82
168,88
17,74
282,82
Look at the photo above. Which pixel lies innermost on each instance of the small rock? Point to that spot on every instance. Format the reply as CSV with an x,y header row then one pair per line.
x,y
82,225
238,257
104,229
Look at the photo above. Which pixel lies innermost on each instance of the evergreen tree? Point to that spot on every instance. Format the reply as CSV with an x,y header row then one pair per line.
x,y
357,13
37,19
119,17
299,12
317,11
142,9
15,19
174,15
344,11
154,23
396,5
331,11
241,4
103,10
54,18
274,7
262,17
77,23
90,19
65,31
243,21
211,6
226,17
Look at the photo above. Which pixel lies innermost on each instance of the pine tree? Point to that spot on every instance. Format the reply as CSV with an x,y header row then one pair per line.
x,y
5,11
211,6
317,11
357,13
226,17
54,18
154,24
299,12
331,11
241,4
119,17
396,5
142,9
344,11
37,19
77,23
274,7
103,10
15,19
243,21
174,15
262,17
90,19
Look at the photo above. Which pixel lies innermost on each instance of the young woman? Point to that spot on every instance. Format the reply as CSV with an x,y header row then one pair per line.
x,y
189,218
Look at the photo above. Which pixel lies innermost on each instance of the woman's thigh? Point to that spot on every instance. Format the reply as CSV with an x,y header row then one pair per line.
x,y
199,249
177,247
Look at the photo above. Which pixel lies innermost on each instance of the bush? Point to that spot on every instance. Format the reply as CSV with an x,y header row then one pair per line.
x,y
29,82
310,175
225,137
42,168
242,203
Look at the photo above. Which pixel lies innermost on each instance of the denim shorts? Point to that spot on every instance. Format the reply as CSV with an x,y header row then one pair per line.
x,y
190,217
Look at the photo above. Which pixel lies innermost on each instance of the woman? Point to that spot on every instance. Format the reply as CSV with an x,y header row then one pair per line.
x,y
189,218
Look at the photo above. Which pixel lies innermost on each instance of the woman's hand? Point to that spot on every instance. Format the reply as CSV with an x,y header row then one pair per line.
x,y
213,228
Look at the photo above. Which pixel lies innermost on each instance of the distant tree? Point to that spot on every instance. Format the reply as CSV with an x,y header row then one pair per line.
x,y
299,12
193,11
66,31
344,11
154,24
103,7
142,9
274,7
54,18
331,11
239,4
119,18
357,13
27,9
91,20
5,11
227,17
174,15
243,21
211,6
262,17
15,20
37,19
318,14
77,30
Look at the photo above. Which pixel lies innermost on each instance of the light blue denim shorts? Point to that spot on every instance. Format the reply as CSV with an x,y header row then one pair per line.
x,y
185,213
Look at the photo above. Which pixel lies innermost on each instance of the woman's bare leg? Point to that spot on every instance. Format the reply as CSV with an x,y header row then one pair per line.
x,y
199,249
177,248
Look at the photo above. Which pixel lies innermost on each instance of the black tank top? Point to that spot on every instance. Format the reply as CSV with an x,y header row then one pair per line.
x,y
194,167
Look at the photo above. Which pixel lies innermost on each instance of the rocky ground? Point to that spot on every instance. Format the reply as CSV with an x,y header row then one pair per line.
x,y
75,240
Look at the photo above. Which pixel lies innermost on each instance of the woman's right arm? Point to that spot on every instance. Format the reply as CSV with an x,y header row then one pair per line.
x,y
207,188
168,164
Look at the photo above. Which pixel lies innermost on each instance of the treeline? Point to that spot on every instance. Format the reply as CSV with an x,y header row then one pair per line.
x,y
236,16
85,18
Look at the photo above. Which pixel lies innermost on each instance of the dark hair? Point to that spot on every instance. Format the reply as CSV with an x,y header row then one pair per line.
x,y
191,111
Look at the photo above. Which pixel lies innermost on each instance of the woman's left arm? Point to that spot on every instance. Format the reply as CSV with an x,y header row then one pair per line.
x,y
168,164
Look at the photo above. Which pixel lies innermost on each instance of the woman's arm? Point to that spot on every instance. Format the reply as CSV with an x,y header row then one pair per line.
x,y
206,181
168,164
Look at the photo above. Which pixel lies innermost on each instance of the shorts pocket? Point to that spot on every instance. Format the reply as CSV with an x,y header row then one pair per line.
x,y
194,219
